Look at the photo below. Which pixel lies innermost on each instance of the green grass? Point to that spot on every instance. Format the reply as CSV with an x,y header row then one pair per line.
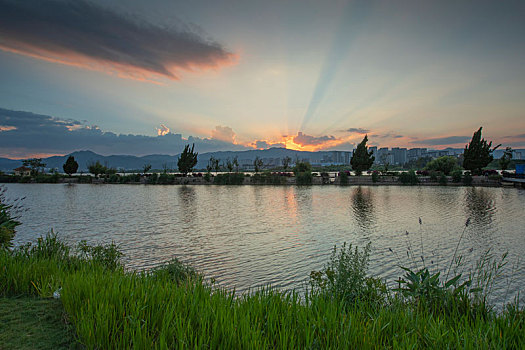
x,y
34,323
173,307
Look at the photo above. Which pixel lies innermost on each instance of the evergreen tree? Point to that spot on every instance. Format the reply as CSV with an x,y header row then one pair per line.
x,y
362,160
70,166
505,158
478,153
187,160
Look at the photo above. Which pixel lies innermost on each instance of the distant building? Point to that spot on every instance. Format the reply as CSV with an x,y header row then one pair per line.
x,y
400,155
22,171
416,153
383,156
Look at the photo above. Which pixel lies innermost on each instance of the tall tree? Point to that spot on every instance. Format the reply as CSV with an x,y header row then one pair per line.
x,y
96,168
362,160
70,166
257,164
146,168
478,153
229,165
236,164
35,164
187,159
505,159
286,162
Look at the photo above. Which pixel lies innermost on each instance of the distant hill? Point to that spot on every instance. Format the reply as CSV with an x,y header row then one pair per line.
x,y
159,161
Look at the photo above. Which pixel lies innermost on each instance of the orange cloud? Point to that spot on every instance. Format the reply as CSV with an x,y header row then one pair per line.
x,y
223,133
7,128
163,130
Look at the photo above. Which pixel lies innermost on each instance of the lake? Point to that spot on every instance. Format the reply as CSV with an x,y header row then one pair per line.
x,y
250,236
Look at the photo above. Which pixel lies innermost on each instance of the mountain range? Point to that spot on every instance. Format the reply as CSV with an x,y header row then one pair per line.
x,y
160,161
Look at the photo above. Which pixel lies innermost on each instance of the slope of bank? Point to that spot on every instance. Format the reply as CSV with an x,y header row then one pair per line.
x,y
173,307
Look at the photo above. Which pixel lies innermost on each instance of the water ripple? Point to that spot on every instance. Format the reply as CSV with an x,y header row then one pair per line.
x,y
248,236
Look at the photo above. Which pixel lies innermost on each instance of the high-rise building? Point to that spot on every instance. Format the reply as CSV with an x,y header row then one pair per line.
x,y
400,155
382,155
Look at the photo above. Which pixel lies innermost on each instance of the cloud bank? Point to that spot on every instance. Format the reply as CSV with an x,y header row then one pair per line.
x,y
440,141
24,134
358,130
308,140
82,34
261,144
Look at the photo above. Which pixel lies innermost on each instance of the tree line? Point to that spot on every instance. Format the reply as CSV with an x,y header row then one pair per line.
x,y
476,156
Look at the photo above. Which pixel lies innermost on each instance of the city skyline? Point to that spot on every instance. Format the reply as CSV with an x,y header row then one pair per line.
x,y
136,76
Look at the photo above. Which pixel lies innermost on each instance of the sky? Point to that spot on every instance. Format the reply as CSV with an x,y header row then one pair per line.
x,y
144,77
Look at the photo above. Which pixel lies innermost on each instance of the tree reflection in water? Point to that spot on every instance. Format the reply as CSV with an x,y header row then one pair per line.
x,y
187,204
363,208
480,206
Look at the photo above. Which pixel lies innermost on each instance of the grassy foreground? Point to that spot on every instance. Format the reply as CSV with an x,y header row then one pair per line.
x,y
34,323
173,307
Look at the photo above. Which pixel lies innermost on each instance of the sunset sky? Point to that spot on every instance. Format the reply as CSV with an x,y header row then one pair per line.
x,y
142,77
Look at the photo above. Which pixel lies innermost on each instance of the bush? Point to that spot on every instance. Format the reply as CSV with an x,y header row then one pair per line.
x,y
343,178
457,175
444,164
176,271
302,167
229,179
408,178
495,177
304,178
114,179
84,179
467,178
375,176
434,176
108,256
152,179
428,292
8,222
345,278
443,180
165,179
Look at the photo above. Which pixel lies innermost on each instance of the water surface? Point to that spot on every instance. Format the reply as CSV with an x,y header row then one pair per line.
x,y
248,236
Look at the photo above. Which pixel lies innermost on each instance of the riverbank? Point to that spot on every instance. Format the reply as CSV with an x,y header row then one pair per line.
x,y
174,307
263,179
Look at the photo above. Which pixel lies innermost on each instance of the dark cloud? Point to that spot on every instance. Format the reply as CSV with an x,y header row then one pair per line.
x,y
358,130
520,136
450,140
387,136
307,140
27,133
79,33
345,146
265,145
